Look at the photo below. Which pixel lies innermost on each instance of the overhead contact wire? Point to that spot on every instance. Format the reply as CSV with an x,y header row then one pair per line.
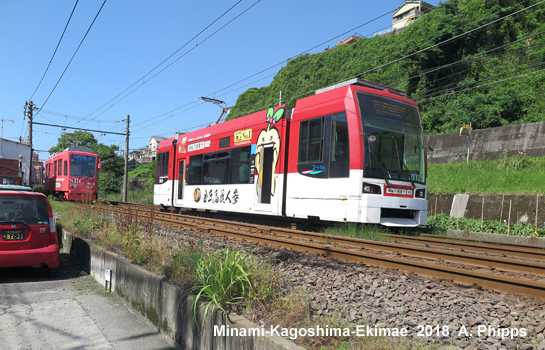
x,y
74,55
56,48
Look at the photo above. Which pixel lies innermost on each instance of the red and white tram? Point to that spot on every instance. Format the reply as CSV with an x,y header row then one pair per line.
x,y
353,152
73,174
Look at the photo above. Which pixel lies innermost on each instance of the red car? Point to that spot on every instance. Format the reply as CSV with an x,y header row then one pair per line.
x,y
28,230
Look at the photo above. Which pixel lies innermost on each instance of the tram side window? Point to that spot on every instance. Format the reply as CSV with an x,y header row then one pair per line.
x,y
311,141
55,169
65,167
324,147
161,168
194,170
339,165
216,168
240,165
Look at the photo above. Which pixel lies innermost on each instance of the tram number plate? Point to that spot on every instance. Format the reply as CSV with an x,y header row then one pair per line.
x,y
400,191
13,235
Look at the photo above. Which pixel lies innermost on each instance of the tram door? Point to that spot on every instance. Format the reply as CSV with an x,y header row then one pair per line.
x,y
181,179
267,175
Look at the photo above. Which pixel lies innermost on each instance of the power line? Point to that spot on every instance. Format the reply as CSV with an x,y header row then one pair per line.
x,y
79,118
65,69
443,88
457,37
445,42
175,52
471,58
262,71
213,94
435,45
58,44
495,82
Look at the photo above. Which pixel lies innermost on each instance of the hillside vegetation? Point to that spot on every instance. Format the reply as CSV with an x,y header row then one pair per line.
x,y
467,61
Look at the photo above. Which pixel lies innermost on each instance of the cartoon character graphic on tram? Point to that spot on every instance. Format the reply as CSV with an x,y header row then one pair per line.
x,y
267,154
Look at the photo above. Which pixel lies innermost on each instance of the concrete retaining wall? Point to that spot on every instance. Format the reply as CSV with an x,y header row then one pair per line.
x,y
529,209
167,306
488,144
494,237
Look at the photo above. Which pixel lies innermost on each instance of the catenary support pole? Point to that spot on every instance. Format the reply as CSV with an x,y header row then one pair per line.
x,y
126,170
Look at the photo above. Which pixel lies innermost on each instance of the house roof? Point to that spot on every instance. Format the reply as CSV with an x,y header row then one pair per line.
x,y
157,138
139,150
402,9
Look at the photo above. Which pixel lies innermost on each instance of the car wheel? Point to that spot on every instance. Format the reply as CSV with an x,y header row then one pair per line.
x,y
52,272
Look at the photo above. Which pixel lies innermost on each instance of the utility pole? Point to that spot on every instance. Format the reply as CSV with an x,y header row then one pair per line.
x,y
126,171
2,132
29,112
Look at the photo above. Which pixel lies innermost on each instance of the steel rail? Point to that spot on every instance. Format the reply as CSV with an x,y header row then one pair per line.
x,y
505,249
525,246
486,280
422,252
270,235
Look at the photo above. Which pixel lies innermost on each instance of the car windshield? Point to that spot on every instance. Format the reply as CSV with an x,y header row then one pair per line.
x,y
393,139
82,166
29,209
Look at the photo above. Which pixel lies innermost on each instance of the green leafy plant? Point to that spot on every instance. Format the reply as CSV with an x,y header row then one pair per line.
x,y
444,221
223,280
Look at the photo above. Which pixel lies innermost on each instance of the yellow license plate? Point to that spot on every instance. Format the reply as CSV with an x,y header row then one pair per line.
x,y
13,235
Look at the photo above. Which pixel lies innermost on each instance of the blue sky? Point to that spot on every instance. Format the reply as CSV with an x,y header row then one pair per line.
x,y
130,38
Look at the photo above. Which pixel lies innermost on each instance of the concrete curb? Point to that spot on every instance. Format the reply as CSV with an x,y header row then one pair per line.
x,y
168,307
536,241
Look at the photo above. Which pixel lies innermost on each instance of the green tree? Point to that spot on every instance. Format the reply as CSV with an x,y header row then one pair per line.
x,y
77,138
111,169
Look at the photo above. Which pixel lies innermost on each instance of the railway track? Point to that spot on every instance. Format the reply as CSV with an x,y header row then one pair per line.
x,y
507,267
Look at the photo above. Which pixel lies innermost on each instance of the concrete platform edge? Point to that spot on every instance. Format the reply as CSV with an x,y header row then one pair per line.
x,y
167,306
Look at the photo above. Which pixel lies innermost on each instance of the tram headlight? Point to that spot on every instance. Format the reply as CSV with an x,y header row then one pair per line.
x,y
421,193
370,188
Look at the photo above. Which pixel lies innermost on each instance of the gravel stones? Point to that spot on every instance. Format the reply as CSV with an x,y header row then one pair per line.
x,y
366,295
475,318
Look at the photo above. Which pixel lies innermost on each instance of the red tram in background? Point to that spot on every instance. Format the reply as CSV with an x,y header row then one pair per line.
x,y
73,174
353,152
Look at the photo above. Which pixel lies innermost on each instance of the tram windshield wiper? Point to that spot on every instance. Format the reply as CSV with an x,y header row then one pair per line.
x,y
385,173
403,163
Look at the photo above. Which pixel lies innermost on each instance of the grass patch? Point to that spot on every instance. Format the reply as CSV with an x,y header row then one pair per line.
x,y
512,175
141,196
361,231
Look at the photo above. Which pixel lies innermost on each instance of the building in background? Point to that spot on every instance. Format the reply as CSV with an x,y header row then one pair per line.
x,y
138,157
14,163
145,155
153,144
409,12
